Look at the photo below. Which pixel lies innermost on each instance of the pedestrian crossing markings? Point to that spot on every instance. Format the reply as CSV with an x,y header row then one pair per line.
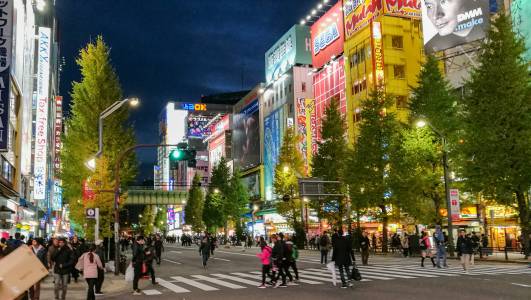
x,y
316,276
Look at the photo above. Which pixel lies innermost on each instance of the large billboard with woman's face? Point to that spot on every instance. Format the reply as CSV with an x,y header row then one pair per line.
x,y
246,137
450,23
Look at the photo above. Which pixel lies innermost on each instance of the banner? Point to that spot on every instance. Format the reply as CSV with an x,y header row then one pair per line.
x,y
6,39
306,130
454,204
58,132
377,55
41,119
447,24
273,132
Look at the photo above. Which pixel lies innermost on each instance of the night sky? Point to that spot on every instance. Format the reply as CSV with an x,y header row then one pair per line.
x,y
175,49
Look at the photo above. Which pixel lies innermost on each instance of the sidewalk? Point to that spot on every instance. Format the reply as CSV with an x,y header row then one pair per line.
x,y
78,291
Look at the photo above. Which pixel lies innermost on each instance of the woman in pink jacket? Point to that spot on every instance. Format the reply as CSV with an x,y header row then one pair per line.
x,y
265,258
90,263
425,248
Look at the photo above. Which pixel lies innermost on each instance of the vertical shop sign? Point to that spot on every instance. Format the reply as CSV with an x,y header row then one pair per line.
x,y
377,57
6,39
58,131
454,205
41,119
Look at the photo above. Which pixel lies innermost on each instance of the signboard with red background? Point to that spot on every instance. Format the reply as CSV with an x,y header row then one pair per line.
x,y
360,13
327,36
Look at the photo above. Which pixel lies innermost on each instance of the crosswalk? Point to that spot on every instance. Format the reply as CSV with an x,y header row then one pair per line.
x,y
209,282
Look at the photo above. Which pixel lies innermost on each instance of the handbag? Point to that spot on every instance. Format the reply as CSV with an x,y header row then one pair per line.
x,y
356,275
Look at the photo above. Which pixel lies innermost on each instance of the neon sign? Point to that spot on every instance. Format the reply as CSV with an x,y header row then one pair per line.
x,y
194,106
325,38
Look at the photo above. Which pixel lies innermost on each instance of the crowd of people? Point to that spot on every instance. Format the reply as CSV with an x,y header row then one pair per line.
x,y
66,259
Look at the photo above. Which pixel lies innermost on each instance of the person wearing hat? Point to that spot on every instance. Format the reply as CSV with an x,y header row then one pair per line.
x,y
101,272
63,261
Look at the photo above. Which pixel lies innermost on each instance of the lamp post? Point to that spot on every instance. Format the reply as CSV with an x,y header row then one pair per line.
x,y
133,102
423,123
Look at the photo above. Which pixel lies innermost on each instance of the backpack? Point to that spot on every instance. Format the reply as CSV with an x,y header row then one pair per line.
x,y
295,252
324,241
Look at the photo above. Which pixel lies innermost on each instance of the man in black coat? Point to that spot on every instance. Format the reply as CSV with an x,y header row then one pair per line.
x,y
343,256
159,247
138,260
63,262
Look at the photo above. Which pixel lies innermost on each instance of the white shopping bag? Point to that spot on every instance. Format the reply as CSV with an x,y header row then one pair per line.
x,y
331,266
109,266
129,273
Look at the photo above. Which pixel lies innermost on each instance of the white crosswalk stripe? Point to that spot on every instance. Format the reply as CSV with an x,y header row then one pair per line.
x,y
312,276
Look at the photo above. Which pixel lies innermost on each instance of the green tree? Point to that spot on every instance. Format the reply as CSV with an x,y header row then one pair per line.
x,y
236,204
98,89
147,221
370,167
418,168
214,216
194,206
289,167
161,219
329,164
497,122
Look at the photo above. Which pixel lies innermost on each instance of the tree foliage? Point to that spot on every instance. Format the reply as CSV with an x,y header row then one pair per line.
x,y
147,221
98,89
217,194
370,167
236,204
194,206
497,121
329,164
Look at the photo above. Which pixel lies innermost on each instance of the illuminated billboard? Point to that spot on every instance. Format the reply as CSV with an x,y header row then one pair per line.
x,y
306,125
447,24
197,126
6,36
246,137
292,48
377,57
402,8
327,36
41,118
360,13
520,12
273,132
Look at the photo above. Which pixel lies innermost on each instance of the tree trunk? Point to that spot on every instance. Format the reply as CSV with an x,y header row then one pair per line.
x,y
385,221
523,212
437,203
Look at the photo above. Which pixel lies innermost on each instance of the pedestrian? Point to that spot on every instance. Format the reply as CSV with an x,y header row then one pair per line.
x,y
484,246
40,252
204,251
475,246
89,262
291,260
63,261
213,244
265,258
278,269
440,244
101,272
138,261
159,248
343,257
324,245
364,245
405,244
149,256
464,249
425,249
286,256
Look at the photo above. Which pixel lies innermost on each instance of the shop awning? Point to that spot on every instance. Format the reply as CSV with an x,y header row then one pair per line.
x,y
267,211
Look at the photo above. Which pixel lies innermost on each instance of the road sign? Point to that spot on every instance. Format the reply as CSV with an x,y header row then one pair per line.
x,y
90,213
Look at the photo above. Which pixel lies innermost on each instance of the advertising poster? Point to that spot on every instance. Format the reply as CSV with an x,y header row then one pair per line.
x,y
252,182
520,12
447,24
327,36
216,149
6,36
273,131
360,13
58,132
197,126
246,137
41,118
306,130
377,57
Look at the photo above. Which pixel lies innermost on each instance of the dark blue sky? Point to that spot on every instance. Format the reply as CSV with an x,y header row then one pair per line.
x,y
176,49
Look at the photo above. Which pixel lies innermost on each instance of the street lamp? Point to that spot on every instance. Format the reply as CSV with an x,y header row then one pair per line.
x,y
133,102
423,123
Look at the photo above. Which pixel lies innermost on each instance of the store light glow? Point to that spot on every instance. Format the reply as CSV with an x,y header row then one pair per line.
x,y
319,6
314,12
303,22
308,17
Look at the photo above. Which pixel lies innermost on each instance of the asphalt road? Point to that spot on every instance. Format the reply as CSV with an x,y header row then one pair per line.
x,y
234,274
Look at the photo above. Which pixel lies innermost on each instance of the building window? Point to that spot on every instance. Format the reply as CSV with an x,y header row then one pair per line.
x,y
401,102
303,87
399,71
397,42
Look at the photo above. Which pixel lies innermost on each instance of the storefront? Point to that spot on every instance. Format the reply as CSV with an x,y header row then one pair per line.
x,y
502,226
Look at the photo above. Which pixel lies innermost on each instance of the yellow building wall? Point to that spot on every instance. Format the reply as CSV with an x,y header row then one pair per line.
x,y
405,61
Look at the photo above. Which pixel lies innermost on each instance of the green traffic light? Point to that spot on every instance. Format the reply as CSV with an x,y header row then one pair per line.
x,y
176,155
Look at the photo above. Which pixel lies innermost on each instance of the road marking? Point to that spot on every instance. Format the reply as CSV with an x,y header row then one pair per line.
x,y
151,292
194,283
236,253
219,282
249,282
396,271
175,262
300,280
172,287
521,284
220,259
327,272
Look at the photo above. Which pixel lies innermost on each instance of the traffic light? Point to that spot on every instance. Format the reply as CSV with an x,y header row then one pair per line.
x,y
177,154
182,154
